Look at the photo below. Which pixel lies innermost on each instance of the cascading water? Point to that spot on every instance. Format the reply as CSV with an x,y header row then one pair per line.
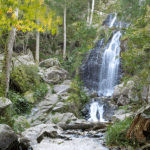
x,y
110,67
101,70
96,112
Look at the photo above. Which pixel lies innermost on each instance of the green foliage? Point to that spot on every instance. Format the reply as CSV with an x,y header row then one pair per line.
x,y
78,96
24,77
55,120
116,133
40,91
136,61
20,103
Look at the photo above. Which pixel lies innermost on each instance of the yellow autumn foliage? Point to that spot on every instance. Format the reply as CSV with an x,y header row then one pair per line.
x,y
30,12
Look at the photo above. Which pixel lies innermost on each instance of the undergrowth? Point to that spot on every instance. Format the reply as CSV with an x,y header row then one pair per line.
x,y
78,96
116,133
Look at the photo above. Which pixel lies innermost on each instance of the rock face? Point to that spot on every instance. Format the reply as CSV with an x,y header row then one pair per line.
x,y
61,88
122,101
55,74
122,89
49,63
93,94
8,138
4,103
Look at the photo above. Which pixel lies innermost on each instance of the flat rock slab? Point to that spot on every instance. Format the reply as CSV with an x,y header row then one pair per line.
x,y
61,88
74,144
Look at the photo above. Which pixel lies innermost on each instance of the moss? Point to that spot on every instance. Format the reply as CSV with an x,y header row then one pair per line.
x,y
24,77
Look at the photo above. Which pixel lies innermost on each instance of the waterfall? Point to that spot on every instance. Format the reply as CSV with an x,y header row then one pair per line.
x,y
96,112
110,67
100,72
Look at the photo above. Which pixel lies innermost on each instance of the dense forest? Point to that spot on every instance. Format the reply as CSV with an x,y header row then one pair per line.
x,y
44,42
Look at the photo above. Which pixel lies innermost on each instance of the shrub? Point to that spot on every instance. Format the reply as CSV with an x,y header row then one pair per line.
x,y
20,103
40,91
78,96
116,133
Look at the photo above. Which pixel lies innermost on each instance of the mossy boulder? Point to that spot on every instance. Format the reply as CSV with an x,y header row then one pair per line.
x,y
49,63
24,77
29,96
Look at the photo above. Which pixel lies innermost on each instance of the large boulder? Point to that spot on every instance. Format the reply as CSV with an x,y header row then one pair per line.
x,y
123,89
61,117
26,59
24,76
55,75
49,63
122,101
36,134
4,103
8,138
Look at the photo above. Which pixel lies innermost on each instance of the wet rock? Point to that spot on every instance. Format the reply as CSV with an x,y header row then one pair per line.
x,y
123,45
93,94
122,101
8,138
49,63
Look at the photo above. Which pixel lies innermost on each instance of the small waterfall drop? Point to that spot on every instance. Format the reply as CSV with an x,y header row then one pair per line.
x,y
96,112
110,67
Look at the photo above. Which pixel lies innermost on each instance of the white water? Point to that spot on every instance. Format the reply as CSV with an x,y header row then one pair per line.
x,y
113,21
109,73
96,110
110,67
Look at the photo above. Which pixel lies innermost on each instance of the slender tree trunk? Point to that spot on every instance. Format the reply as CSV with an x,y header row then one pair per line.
x,y
147,94
92,10
7,59
88,17
64,50
37,47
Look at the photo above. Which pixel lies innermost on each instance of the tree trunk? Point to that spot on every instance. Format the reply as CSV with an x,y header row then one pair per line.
x,y
64,50
88,17
37,47
85,125
92,10
7,60
147,94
